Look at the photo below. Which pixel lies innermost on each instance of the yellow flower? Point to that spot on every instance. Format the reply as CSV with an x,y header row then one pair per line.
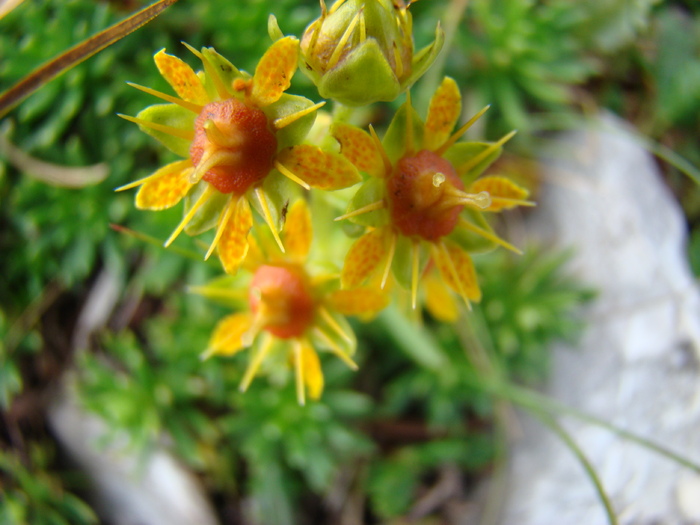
x,y
289,309
423,200
241,138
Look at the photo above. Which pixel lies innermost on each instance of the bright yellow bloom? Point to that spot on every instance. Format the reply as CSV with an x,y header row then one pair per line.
x,y
289,309
423,199
241,138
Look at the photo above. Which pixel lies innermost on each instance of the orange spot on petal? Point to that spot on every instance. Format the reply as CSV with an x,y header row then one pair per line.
x,y
298,231
181,77
364,257
274,72
162,192
233,244
319,169
360,301
502,190
445,108
359,148
457,270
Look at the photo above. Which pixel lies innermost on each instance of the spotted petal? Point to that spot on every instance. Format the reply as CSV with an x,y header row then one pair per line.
x,y
359,148
457,270
181,77
445,108
165,188
360,301
233,245
364,257
505,194
228,334
319,169
311,366
438,299
298,231
274,72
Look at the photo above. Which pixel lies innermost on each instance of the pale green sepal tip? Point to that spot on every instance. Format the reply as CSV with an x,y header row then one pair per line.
x,y
461,152
394,141
363,77
424,58
469,241
371,191
402,265
273,28
169,115
206,217
296,132
223,67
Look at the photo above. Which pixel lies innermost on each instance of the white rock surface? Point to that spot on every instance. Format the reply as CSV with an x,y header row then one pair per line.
x,y
637,364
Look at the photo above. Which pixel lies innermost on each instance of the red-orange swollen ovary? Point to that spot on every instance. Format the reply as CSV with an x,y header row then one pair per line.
x,y
416,193
281,295
245,133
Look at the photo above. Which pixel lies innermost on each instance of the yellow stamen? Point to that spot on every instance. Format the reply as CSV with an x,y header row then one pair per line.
x,y
255,362
461,131
299,373
365,209
285,121
210,70
389,259
191,106
488,151
335,348
223,221
290,175
463,223
335,6
363,27
185,134
176,166
338,51
330,320
380,148
204,197
267,215
414,272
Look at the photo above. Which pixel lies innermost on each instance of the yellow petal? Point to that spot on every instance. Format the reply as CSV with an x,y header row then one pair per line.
x,y
228,335
504,193
255,257
274,72
457,270
181,77
311,366
298,231
438,299
319,169
233,245
359,148
445,108
360,301
364,257
165,188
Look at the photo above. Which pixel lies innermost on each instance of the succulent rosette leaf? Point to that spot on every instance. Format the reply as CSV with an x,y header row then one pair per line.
x,y
424,199
241,138
287,308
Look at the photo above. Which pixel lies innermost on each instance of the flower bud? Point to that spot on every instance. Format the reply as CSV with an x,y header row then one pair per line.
x,y
361,51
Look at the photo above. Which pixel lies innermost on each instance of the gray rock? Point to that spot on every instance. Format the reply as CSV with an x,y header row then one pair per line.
x,y
637,365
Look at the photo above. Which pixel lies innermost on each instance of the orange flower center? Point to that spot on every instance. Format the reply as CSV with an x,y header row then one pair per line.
x,y
237,144
281,300
419,196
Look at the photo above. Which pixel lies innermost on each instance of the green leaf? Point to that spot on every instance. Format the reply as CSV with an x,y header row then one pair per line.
x,y
394,140
296,132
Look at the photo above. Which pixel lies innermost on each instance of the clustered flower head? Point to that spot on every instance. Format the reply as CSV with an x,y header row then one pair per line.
x,y
245,143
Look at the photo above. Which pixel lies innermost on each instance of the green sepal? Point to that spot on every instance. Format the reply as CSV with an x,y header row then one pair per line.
x,y
169,115
470,241
228,290
462,152
425,58
273,28
279,192
348,347
363,77
226,70
402,265
208,215
296,132
372,190
394,140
